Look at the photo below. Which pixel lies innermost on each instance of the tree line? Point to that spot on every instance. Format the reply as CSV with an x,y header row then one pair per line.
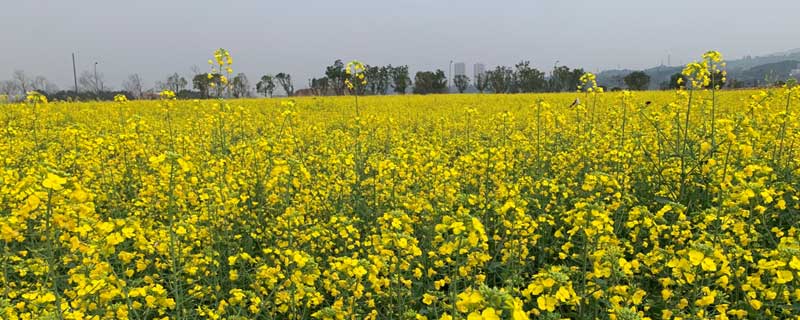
x,y
380,80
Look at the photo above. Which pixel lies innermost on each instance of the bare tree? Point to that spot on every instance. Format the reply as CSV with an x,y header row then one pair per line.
x,y
88,82
134,86
174,83
41,84
22,80
9,89
285,80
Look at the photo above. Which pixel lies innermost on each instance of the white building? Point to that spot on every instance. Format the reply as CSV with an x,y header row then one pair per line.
x,y
478,69
459,68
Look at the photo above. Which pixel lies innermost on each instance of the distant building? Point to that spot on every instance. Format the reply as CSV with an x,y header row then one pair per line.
x,y
459,68
478,69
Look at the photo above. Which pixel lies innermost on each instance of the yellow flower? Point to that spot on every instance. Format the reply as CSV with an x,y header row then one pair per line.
x,y
756,304
695,257
54,182
428,299
167,95
546,303
489,314
784,276
795,263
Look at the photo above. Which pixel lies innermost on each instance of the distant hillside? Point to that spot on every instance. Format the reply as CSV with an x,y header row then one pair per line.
x,y
769,72
750,71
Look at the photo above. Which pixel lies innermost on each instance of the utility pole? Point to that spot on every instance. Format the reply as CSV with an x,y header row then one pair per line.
x,y
74,74
96,82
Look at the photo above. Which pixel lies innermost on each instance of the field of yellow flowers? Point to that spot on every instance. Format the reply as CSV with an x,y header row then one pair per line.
x,y
679,204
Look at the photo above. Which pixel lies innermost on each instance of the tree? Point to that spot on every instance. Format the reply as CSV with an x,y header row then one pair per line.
x,y
22,80
501,79
88,81
266,86
319,86
240,86
378,79
134,85
8,88
174,83
462,82
529,79
565,79
202,82
41,84
384,79
673,81
637,80
481,82
430,82
285,80
336,75
400,79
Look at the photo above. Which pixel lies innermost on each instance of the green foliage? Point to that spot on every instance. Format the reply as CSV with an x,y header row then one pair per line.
x,y
462,82
241,86
565,79
400,79
637,80
529,79
285,80
426,82
266,86
501,79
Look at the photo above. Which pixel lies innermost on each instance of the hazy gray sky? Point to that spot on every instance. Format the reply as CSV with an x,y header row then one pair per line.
x,y
157,38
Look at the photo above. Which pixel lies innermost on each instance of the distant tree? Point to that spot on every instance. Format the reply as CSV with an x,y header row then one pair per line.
x,y
529,79
565,79
736,84
285,80
240,87
41,84
9,89
319,86
266,86
673,81
378,79
430,82
202,82
174,83
372,73
134,85
637,80
400,79
482,82
462,82
88,81
501,79
336,75
22,80
718,80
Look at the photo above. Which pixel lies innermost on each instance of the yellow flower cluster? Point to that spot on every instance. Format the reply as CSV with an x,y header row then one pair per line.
x,y
35,97
354,72
424,207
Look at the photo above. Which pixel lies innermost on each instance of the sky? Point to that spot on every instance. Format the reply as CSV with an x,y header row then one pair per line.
x,y
301,37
